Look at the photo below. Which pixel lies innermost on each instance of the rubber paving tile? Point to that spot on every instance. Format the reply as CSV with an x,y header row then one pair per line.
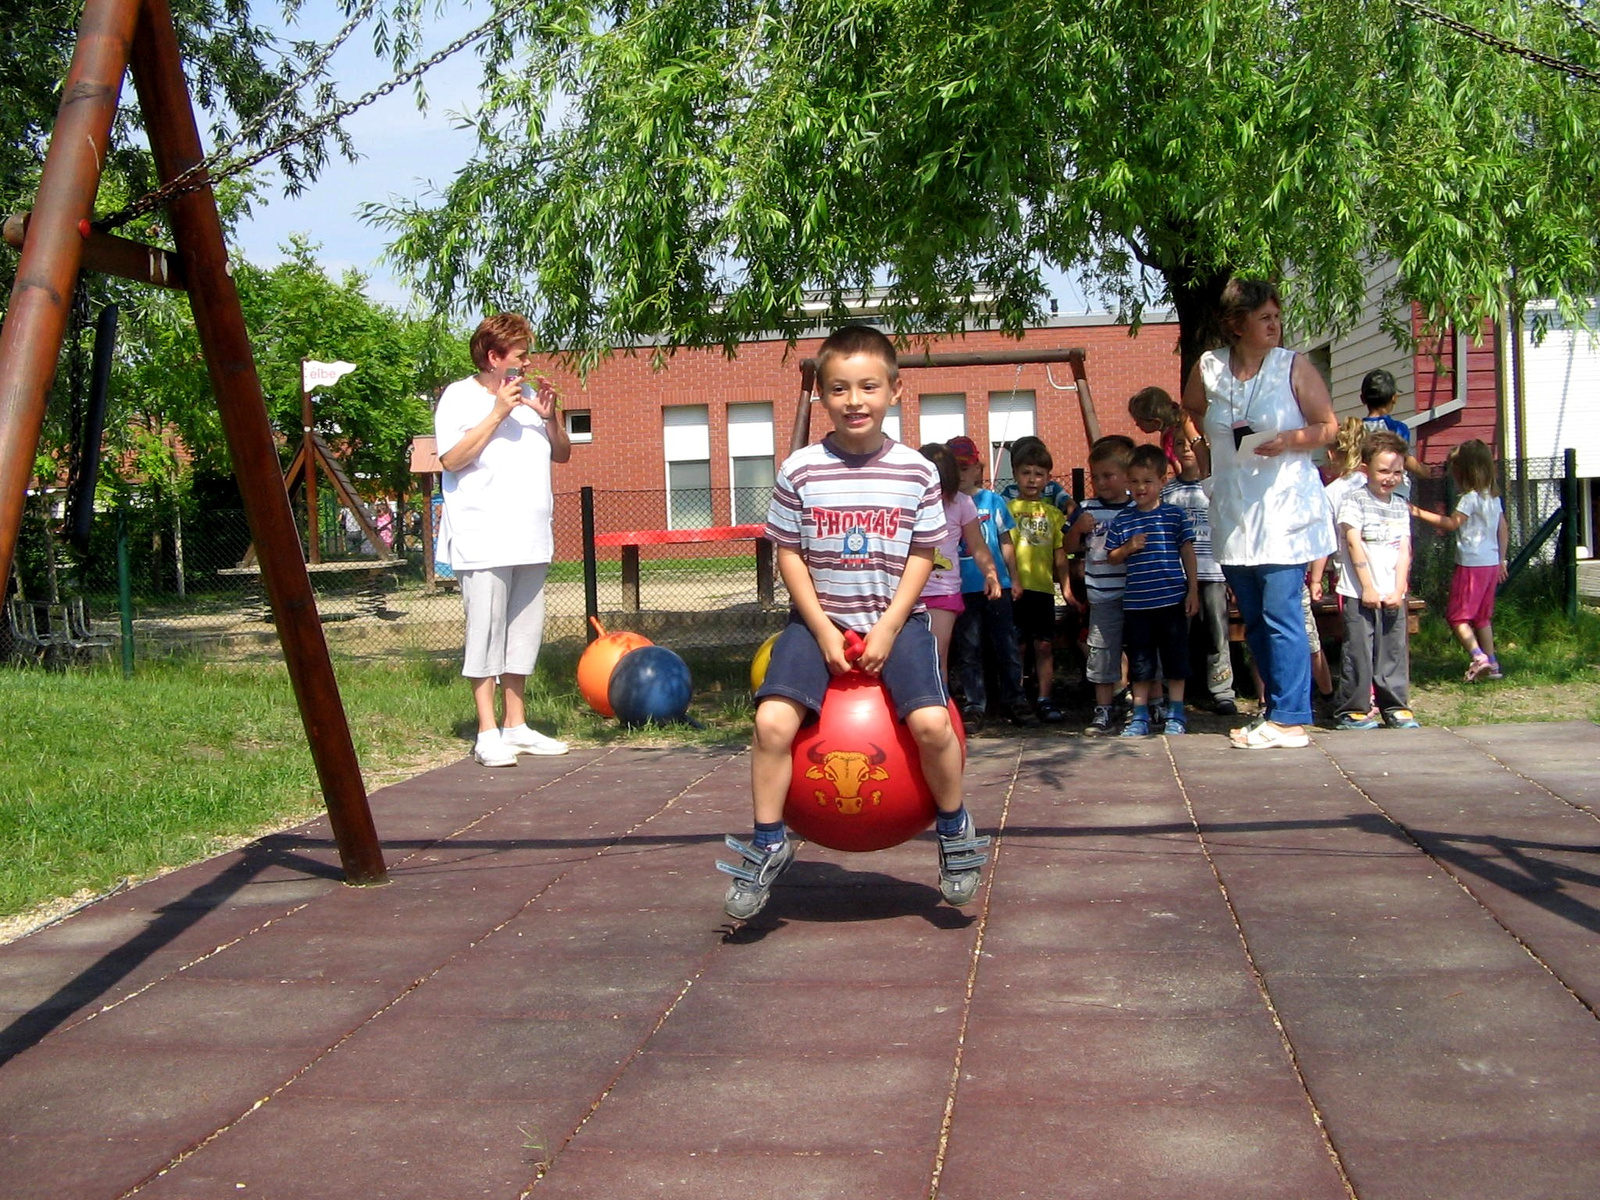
x,y
1183,959
1081,1149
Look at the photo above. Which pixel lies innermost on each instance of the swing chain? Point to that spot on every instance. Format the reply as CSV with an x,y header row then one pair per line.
x,y
200,175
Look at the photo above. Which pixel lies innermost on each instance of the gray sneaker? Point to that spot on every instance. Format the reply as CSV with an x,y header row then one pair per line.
x,y
754,876
1100,724
961,860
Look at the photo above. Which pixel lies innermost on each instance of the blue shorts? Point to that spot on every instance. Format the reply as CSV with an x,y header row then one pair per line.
x,y
797,671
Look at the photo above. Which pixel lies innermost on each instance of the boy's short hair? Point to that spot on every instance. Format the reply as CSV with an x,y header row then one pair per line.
x,y
499,334
1377,388
1031,452
1149,458
1114,447
1381,441
848,340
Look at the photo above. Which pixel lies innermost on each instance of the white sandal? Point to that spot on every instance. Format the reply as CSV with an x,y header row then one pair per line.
x,y
1268,736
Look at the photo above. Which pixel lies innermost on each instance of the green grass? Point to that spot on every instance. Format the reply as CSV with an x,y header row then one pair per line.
x,y
107,778
1552,666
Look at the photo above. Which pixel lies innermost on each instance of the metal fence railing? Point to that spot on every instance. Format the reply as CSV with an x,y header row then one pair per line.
x,y
1531,492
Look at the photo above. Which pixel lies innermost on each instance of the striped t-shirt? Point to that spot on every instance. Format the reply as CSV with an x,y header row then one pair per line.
x,y
1190,495
1102,579
1156,578
854,519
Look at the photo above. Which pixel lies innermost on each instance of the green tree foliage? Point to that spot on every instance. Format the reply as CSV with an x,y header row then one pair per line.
x,y
240,76
688,169
295,311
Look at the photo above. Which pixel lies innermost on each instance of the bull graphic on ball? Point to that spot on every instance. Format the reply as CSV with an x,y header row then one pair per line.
x,y
849,771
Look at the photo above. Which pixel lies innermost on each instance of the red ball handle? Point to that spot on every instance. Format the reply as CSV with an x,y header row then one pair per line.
x,y
854,644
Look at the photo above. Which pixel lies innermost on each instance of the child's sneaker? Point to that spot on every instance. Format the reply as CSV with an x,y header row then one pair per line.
x,y
1024,717
961,860
1494,669
1478,667
1401,718
1100,724
754,876
1049,713
1357,720
1137,726
1174,726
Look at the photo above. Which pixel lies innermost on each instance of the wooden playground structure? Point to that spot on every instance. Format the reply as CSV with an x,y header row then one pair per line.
x,y
114,38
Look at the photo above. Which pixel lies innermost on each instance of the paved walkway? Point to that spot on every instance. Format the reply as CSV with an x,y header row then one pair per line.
x,y
1370,969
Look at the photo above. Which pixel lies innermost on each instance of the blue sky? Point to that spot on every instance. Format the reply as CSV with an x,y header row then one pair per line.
x,y
402,151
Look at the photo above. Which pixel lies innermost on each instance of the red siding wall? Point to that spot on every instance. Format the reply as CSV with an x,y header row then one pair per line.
x,y
625,395
1436,384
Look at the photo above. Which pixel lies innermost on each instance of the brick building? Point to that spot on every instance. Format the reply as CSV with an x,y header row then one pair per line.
x,y
694,443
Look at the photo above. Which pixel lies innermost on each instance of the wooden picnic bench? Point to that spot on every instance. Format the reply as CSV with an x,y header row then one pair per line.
x,y
372,597
630,541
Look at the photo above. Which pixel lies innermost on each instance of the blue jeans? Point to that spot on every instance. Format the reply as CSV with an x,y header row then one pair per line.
x,y
985,632
1275,631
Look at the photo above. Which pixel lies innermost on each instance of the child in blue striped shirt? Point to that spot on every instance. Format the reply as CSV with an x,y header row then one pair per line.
x,y
1156,542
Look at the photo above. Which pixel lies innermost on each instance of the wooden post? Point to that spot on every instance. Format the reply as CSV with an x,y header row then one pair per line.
x,y
197,229
1091,420
801,433
41,297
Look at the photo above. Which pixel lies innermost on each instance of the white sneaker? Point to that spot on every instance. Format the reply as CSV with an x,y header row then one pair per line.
x,y
530,741
493,753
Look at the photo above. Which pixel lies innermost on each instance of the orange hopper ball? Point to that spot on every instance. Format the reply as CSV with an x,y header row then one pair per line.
x,y
856,781
599,660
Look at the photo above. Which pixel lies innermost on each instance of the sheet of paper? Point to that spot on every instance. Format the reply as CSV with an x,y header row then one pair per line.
x,y
1248,444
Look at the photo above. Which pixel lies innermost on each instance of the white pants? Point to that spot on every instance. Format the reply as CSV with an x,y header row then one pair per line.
x,y
505,619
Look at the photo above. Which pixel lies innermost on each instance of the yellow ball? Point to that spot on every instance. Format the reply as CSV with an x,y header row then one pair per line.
x,y
758,664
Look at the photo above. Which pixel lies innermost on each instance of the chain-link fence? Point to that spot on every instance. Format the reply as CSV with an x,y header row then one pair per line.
x,y
1530,490
658,569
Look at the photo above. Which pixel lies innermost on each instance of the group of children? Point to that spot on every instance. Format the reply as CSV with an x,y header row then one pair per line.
x,y
912,554
1137,552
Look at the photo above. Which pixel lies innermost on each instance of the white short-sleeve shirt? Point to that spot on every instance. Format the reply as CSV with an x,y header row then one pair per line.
x,y
499,509
1478,538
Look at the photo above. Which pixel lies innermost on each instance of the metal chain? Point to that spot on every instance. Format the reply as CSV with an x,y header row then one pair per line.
x,y
1577,70
313,68
201,174
1577,17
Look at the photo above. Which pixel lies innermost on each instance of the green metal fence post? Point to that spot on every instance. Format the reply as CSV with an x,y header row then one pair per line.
x,y
591,573
1569,533
124,588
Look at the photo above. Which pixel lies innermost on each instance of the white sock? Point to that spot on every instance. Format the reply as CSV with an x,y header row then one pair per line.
x,y
488,737
517,729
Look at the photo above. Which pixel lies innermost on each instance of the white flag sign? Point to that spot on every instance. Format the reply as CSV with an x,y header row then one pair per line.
x,y
320,374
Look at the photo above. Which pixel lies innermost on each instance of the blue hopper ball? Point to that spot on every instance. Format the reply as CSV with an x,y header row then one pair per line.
x,y
650,684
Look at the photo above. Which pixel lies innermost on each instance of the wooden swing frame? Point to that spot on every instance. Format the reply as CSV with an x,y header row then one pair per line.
x,y
114,37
